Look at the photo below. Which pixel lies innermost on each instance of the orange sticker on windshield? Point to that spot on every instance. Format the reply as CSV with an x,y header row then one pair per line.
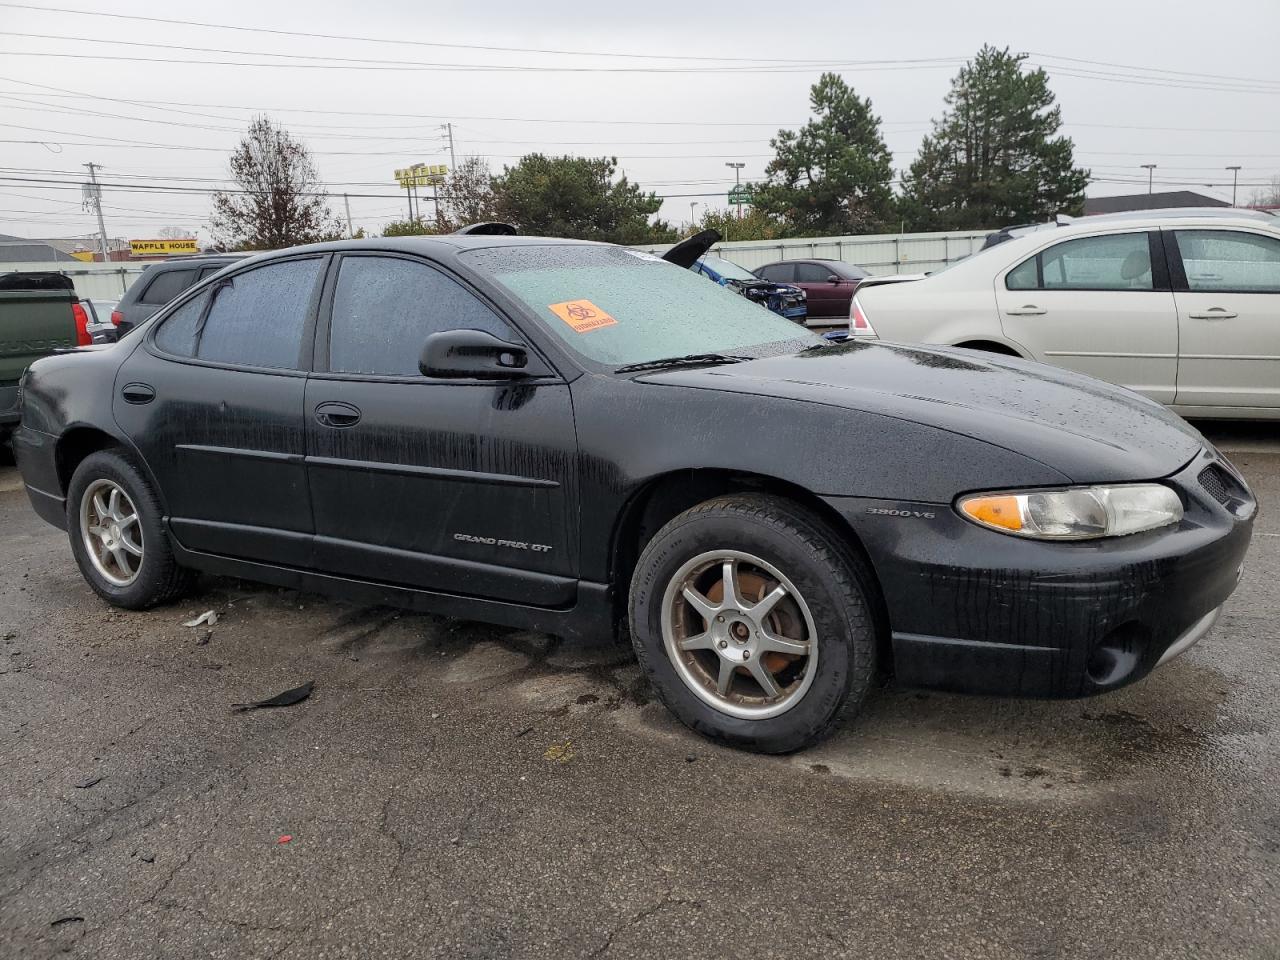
x,y
583,315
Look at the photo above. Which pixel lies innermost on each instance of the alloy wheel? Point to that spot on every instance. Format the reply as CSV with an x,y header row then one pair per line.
x,y
739,634
111,532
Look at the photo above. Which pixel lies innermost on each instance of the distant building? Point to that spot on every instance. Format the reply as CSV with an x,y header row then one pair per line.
x,y
21,250
1150,201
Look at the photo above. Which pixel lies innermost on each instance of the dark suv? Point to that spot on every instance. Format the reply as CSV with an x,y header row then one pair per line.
x,y
161,282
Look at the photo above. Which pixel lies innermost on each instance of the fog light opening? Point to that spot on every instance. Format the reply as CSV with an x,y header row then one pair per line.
x,y
1116,655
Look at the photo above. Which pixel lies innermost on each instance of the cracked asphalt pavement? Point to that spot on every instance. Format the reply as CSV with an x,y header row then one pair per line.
x,y
459,790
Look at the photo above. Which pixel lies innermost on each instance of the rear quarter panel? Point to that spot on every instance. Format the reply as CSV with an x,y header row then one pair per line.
x,y
925,311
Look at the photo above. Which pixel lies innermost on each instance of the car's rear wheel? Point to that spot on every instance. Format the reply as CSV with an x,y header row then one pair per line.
x,y
115,525
753,622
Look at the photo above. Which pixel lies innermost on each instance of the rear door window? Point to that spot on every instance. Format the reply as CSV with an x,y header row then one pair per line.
x,y
168,284
778,272
255,319
384,308
1230,261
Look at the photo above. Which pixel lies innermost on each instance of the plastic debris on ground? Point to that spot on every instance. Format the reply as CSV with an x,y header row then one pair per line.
x,y
286,699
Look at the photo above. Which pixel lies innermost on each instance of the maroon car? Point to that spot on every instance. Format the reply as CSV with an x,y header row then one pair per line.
x,y
829,284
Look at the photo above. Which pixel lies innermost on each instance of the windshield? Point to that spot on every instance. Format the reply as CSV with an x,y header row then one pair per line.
x,y
612,306
728,269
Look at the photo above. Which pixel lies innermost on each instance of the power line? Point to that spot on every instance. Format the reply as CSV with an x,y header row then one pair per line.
x,y
338,63
1123,66
612,54
753,67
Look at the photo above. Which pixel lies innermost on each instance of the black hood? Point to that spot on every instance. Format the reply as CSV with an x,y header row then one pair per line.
x,y
686,252
1085,429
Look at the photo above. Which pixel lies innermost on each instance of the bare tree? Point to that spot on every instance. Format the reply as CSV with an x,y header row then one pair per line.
x,y
467,194
279,201
1268,196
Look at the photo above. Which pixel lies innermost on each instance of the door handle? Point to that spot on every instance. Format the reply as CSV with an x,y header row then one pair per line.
x,y
1213,313
138,392
1027,310
334,413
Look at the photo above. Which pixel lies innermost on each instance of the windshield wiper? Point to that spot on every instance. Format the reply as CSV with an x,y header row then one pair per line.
x,y
691,359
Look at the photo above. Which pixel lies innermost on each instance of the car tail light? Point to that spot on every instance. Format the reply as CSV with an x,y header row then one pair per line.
x,y
83,337
859,325
116,317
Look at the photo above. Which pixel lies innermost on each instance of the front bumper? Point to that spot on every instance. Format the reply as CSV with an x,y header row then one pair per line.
x,y
976,611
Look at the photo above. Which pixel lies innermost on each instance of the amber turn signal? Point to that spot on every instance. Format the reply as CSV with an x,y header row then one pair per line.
x,y
999,511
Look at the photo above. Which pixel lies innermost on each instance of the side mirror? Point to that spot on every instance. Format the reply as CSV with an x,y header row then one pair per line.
x,y
833,279
474,353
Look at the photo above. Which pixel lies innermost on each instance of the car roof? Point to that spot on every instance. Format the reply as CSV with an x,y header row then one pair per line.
x,y
774,263
195,260
434,245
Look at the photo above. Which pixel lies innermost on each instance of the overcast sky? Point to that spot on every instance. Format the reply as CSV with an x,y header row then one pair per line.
x,y
703,84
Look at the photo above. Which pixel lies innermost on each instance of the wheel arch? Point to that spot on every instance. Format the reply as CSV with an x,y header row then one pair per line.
x,y
990,345
74,445
666,495
80,440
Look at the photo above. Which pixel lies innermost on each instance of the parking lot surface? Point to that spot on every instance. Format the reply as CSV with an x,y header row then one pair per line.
x,y
453,789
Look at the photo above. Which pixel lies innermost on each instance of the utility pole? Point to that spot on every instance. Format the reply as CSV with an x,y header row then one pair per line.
x,y
1235,177
693,223
1151,169
737,183
94,196
453,160
346,202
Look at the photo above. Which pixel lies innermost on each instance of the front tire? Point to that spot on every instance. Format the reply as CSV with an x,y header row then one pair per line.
x,y
753,622
117,534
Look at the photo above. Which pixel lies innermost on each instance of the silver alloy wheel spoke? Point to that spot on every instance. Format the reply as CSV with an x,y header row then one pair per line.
x,y
725,680
122,560
129,545
703,641
704,607
729,576
771,641
761,610
763,677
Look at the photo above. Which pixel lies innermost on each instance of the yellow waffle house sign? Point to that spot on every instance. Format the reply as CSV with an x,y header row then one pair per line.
x,y
422,175
162,248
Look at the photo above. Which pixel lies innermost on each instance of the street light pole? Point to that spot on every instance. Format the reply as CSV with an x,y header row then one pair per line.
x,y
737,184
1235,175
1151,169
693,221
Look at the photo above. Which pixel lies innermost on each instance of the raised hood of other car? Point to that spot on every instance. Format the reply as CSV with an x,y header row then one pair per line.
x,y
686,253
1084,429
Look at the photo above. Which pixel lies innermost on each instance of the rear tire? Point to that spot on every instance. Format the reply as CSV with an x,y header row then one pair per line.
x,y
774,680
116,528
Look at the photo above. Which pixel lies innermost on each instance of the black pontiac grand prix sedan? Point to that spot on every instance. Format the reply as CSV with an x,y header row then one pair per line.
x,y
578,438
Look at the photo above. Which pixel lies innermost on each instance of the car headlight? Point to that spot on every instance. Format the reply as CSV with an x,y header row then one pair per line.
x,y
1076,513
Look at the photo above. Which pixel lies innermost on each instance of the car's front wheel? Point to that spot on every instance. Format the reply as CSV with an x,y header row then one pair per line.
x,y
753,622
117,536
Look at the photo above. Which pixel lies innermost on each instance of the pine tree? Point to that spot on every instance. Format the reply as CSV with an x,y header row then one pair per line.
x,y
995,158
834,175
